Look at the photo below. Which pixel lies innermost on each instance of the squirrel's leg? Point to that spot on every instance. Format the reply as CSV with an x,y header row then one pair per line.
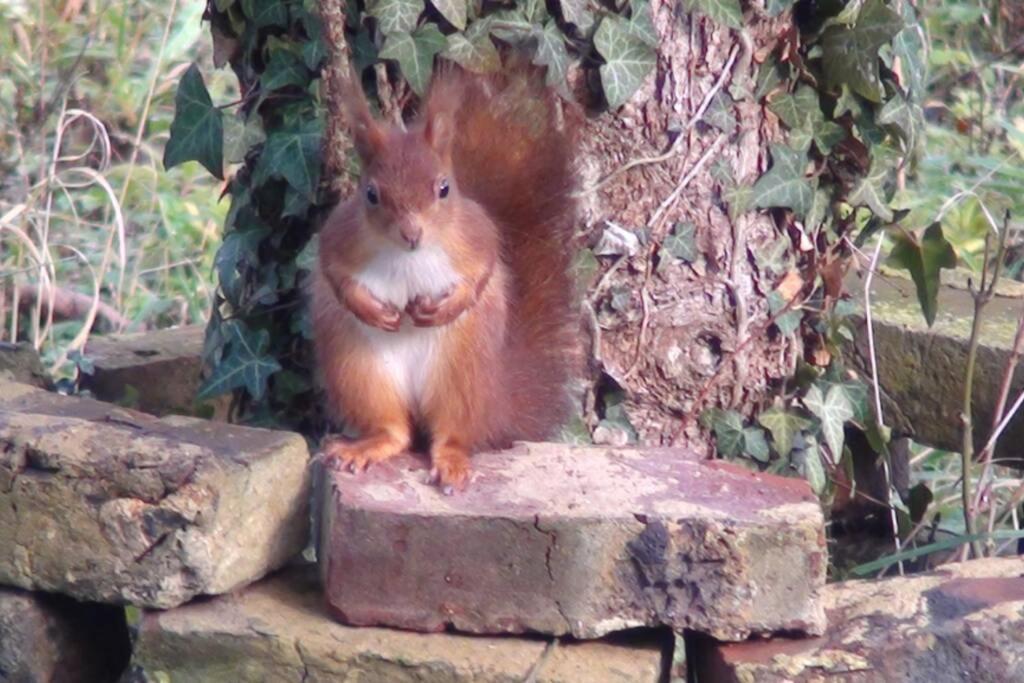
x,y
367,400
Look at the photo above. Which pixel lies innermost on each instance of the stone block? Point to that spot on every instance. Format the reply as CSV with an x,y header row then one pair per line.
x,y
54,638
921,369
960,623
156,372
20,363
112,505
570,540
278,630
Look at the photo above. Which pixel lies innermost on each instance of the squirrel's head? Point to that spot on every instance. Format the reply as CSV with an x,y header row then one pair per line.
x,y
407,186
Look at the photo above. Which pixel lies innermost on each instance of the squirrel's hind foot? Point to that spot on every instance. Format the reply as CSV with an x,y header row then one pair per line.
x,y
450,467
357,456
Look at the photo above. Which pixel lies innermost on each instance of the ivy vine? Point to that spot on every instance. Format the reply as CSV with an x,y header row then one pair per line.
x,y
846,84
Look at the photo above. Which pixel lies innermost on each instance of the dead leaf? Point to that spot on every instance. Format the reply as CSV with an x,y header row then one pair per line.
x,y
790,285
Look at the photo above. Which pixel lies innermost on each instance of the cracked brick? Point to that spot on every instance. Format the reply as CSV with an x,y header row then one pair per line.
x,y
561,540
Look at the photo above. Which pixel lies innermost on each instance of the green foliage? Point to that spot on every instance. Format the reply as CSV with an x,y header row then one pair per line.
x,y
924,256
850,51
784,185
257,343
628,59
115,224
245,363
197,133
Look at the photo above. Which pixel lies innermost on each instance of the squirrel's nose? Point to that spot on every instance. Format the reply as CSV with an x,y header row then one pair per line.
x,y
411,233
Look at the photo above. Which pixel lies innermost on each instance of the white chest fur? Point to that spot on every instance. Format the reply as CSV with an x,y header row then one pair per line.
x,y
396,276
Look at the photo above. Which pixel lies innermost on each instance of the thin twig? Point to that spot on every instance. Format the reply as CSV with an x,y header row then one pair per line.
x,y
876,388
981,299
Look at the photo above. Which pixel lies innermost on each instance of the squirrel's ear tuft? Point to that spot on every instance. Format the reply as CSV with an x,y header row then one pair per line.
x,y
367,134
439,132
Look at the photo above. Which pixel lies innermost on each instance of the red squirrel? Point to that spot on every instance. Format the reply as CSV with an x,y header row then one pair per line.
x,y
442,300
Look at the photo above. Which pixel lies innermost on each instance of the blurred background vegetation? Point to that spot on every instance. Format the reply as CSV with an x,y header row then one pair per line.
x,y
86,101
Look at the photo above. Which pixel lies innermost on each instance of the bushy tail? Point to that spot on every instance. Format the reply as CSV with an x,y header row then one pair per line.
x,y
511,155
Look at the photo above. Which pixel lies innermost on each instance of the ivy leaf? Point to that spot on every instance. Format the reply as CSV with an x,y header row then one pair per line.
x,y
777,7
473,51
265,13
395,16
784,426
795,109
551,53
681,242
769,76
295,203
728,427
292,152
802,114
578,12
739,198
535,11
240,137
725,12
828,134
834,410
807,462
414,53
197,132
314,49
452,10
818,211
239,250
909,46
720,112
364,51
628,60
784,184
755,444
245,364
788,322
850,53
924,257
642,23
284,68
869,190
508,25
903,117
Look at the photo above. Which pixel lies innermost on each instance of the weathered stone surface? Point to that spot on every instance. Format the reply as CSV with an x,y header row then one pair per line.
x,y
961,623
20,363
53,638
585,541
278,630
113,505
921,370
157,372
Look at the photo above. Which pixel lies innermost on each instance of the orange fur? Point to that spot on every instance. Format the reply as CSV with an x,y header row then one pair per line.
x,y
479,274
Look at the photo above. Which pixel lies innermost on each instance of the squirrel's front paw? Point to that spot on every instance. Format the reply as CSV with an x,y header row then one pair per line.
x,y
427,311
375,313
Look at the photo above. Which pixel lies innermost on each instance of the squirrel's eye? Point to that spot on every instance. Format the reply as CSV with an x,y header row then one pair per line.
x,y
371,195
442,190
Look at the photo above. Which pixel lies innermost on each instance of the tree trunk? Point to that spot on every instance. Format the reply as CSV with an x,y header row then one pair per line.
x,y
678,335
